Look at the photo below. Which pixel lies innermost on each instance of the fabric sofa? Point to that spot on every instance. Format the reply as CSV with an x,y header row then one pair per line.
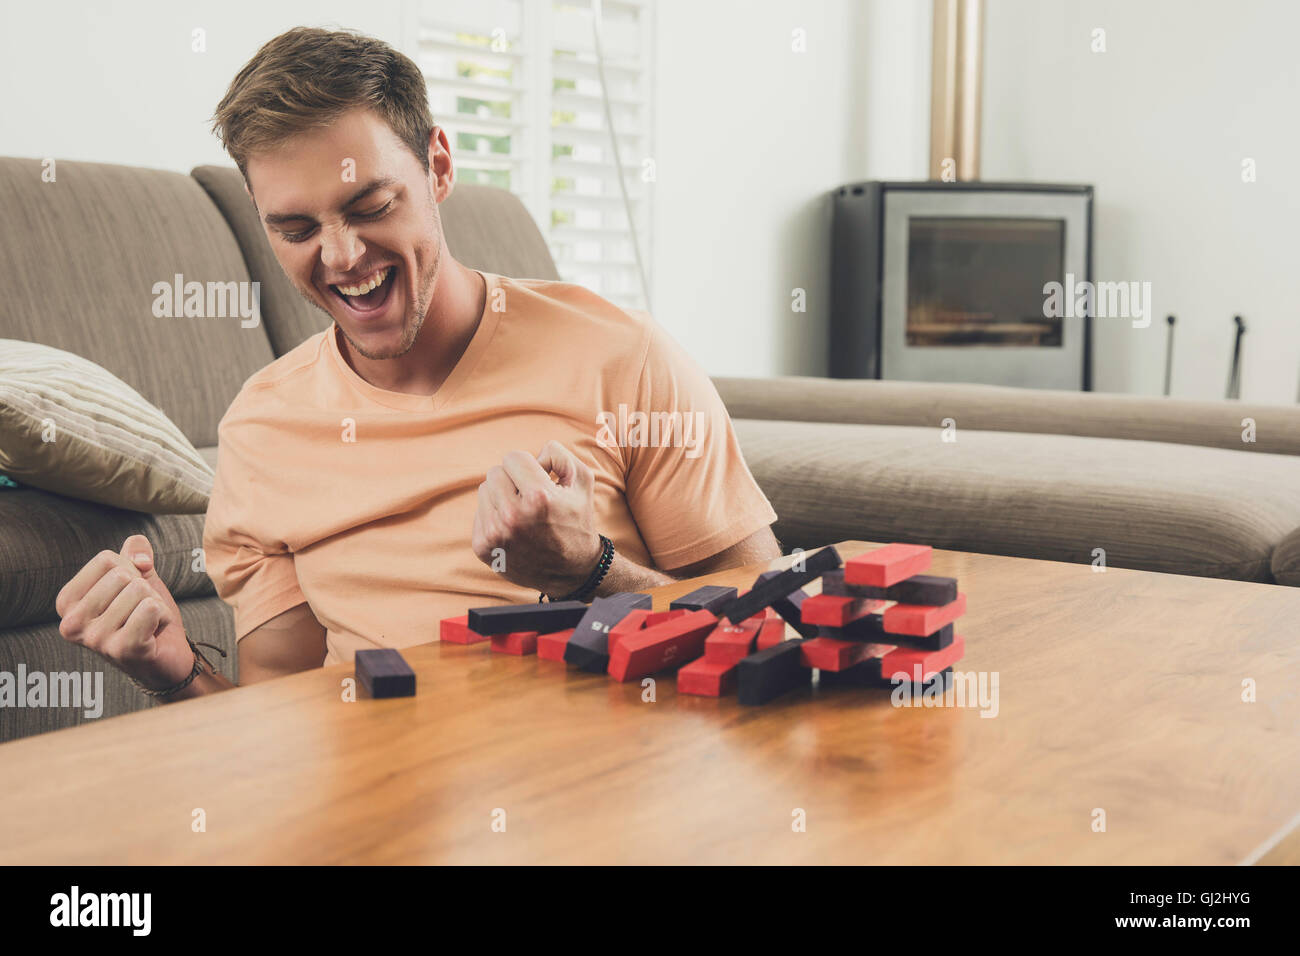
x,y
1157,484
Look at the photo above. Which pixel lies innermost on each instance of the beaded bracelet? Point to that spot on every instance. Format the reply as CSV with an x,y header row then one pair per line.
x,y
588,588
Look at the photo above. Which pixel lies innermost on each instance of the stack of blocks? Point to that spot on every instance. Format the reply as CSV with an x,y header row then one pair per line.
x,y
879,619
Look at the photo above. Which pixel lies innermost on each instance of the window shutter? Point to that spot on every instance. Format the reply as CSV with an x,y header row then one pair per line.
x,y
517,87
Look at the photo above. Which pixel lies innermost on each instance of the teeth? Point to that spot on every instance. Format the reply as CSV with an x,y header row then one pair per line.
x,y
372,283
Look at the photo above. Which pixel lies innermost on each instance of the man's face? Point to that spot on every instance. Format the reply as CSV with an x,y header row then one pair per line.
x,y
352,218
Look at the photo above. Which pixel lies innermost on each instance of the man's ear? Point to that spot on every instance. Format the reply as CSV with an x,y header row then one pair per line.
x,y
442,173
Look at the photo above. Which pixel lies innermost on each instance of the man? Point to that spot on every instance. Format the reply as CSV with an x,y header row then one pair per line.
x,y
360,474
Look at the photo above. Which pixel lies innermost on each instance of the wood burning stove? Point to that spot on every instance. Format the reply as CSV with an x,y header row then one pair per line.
x,y
945,281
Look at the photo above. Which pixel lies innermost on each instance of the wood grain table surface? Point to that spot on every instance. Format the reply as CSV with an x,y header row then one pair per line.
x,y
1118,691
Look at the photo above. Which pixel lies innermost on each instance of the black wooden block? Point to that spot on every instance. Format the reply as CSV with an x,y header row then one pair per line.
x,y
782,584
768,674
384,673
708,598
931,642
588,648
918,589
543,618
870,628
867,674
789,607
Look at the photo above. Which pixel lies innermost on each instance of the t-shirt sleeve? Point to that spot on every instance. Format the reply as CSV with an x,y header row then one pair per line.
x,y
253,575
688,486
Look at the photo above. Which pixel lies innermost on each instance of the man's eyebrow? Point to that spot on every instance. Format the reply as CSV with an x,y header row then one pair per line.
x,y
277,218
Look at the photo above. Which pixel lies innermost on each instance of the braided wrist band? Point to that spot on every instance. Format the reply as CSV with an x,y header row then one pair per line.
x,y
195,671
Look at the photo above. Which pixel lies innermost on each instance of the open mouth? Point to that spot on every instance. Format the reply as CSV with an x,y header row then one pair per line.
x,y
369,295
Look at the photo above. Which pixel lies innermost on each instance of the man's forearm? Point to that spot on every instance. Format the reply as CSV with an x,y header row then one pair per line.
x,y
627,575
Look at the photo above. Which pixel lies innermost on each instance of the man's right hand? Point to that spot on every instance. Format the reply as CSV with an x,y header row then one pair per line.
x,y
118,607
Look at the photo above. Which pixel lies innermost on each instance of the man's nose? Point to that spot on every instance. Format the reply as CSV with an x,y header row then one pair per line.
x,y
341,249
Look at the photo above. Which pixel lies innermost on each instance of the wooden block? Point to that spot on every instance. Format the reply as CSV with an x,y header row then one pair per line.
x,y
455,630
789,608
930,642
832,610
543,618
768,674
771,632
383,672
887,565
658,648
729,643
908,662
708,598
770,588
519,643
588,649
828,654
658,617
918,589
872,630
550,647
921,620
866,674
705,678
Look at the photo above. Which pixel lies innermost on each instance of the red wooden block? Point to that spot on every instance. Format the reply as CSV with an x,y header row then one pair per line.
x,y
830,654
920,620
732,642
772,632
658,617
550,647
665,645
905,661
887,565
629,625
832,611
521,643
455,630
705,678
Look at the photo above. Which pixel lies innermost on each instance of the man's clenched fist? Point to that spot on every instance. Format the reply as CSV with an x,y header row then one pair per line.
x,y
118,607
546,529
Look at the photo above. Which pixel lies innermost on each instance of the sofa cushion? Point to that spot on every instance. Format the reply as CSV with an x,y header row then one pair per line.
x,y
1153,506
82,256
69,426
486,228
48,538
999,408
42,648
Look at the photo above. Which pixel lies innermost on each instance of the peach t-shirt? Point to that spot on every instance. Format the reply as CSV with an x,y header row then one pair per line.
x,y
361,501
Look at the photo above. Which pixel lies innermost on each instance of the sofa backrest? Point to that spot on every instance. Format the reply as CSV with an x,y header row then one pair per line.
x,y
486,228
1271,428
84,248
82,254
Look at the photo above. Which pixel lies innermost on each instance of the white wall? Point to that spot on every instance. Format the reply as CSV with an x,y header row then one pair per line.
x,y
118,82
750,138
1160,123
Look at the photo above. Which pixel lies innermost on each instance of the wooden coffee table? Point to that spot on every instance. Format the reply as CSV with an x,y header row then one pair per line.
x,y
1118,691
